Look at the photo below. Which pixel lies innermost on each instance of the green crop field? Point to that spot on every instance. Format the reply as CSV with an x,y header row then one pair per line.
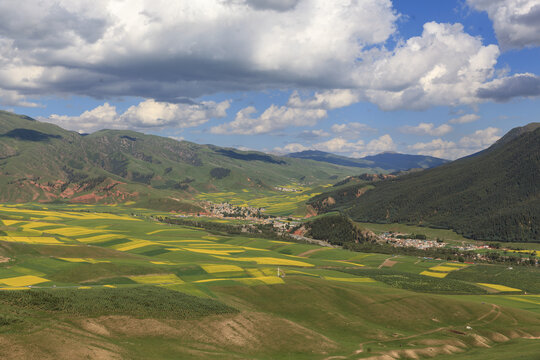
x,y
112,282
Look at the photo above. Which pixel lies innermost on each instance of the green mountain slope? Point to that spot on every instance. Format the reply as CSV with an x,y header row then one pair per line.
x,y
494,195
388,161
43,162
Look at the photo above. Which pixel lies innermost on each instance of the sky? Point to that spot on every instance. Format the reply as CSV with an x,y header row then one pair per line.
x,y
444,78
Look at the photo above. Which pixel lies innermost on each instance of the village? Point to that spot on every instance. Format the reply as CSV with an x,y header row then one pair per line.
x,y
285,225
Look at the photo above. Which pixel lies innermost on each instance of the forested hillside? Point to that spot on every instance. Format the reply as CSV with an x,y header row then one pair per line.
x,y
494,195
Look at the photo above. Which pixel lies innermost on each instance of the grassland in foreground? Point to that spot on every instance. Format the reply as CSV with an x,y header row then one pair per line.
x,y
85,281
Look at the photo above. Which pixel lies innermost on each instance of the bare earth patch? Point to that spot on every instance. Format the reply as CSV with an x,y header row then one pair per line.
x,y
388,263
309,252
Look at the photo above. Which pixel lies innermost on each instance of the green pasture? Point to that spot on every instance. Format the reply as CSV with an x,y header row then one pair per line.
x,y
326,301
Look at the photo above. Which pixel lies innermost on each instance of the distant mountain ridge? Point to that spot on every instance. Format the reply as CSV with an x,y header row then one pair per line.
x,y
493,195
388,161
43,162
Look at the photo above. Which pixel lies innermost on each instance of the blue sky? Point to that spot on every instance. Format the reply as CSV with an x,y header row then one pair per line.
x,y
442,78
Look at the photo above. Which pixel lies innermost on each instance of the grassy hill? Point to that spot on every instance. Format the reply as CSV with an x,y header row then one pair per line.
x,y
43,162
493,195
387,161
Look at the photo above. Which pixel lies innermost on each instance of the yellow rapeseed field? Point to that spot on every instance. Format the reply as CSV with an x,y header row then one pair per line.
x,y
43,240
214,252
211,268
25,280
444,268
255,272
10,222
210,280
73,231
456,264
36,224
498,287
268,261
157,279
134,244
268,280
433,274
84,260
103,237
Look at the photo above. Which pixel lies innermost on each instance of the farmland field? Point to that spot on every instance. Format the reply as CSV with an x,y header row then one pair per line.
x,y
279,203
113,282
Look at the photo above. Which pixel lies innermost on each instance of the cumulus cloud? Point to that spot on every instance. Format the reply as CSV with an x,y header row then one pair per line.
x,y
464,119
147,114
444,66
427,129
133,48
516,22
376,146
12,98
467,145
164,50
352,130
439,148
332,99
272,119
340,145
507,88
291,148
480,138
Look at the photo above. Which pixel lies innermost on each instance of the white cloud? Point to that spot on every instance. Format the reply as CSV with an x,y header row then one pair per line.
x,y
328,100
291,148
377,146
340,145
464,119
439,148
162,50
427,129
443,66
352,130
272,119
146,114
467,145
509,87
480,139
516,22
150,113
12,98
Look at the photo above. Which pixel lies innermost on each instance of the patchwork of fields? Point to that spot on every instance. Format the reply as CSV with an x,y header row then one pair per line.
x,y
65,250
278,203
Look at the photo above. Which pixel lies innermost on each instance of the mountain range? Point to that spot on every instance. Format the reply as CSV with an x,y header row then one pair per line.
x,y
43,162
387,161
490,195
